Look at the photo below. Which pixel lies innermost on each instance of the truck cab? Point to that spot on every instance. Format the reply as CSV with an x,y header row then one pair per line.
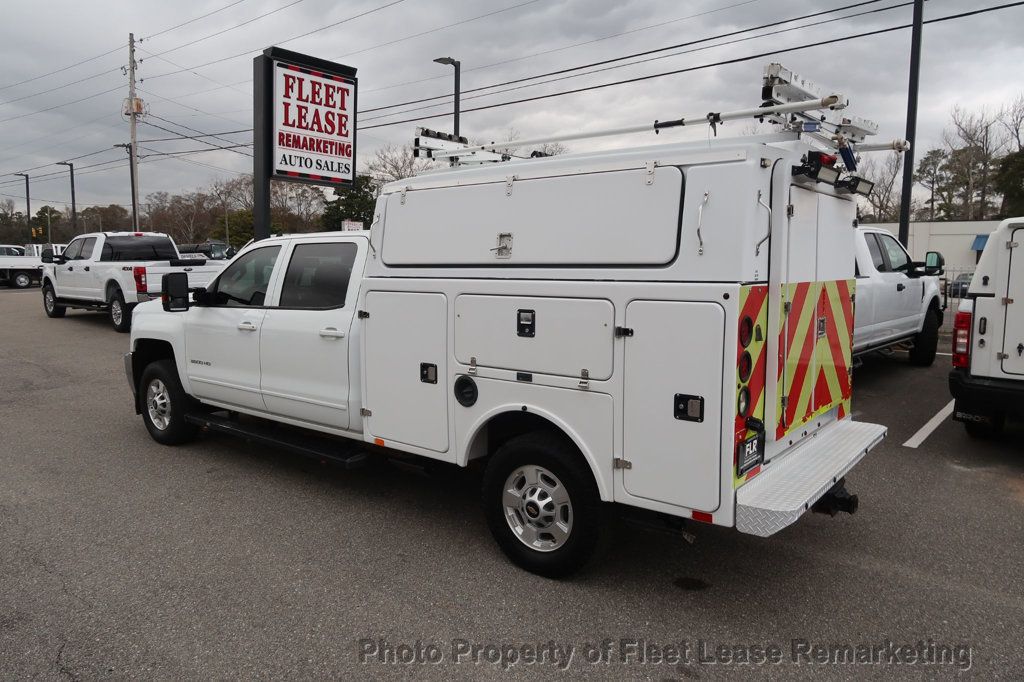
x,y
898,301
987,380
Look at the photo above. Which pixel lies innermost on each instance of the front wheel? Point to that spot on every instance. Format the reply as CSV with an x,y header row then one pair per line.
x,y
120,312
542,504
50,305
927,341
165,404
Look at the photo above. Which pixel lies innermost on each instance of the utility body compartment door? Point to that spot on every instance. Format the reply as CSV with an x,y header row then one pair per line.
x,y
1013,335
673,402
405,335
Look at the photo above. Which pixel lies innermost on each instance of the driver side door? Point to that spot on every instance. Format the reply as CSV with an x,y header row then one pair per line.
x,y
222,340
904,300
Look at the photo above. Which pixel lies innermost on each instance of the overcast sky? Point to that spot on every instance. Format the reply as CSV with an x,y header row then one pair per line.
x,y
974,62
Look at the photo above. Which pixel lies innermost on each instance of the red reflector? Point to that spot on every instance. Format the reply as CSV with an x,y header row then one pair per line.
x,y
829,160
702,516
962,340
137,234
139,272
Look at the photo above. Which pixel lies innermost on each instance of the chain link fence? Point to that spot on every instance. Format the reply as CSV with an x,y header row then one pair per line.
x,y
953,287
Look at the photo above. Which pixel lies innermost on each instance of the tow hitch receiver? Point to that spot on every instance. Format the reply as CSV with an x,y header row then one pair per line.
x,y
837,499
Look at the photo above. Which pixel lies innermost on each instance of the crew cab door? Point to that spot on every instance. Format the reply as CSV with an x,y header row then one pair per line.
x,y
304,342
899,301
222,340
870,262
65,282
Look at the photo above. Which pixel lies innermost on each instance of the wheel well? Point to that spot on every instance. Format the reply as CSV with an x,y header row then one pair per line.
x,y
505,426
937,307
147,351
111,286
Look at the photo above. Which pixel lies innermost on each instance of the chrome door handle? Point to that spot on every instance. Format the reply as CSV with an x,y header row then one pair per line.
x,y
331,333
247,326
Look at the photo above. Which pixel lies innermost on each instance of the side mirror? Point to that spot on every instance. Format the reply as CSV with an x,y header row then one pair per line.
x,y
203,297
934,263
174,292
47,256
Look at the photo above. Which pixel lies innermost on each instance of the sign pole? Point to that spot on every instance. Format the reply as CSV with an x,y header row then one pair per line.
x,y
263,123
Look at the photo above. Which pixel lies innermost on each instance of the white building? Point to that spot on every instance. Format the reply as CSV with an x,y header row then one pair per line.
x,y
960,242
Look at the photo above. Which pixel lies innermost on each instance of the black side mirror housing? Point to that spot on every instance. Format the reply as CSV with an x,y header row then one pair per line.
x,y
174,292
202,297
47,256
934,264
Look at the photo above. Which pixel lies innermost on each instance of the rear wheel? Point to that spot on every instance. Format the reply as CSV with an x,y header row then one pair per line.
x,y
120,312
542,504
927,341
21,280
50,305
165,404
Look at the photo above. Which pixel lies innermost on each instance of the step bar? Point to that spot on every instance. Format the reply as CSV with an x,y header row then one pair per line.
x,y
283,438
791,483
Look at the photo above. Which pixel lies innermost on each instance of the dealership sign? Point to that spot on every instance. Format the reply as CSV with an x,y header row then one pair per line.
x,y
309,118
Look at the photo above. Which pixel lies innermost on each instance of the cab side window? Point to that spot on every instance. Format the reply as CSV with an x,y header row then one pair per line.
x,y
876,253
244,283
73,250
318,275
898,258
87,247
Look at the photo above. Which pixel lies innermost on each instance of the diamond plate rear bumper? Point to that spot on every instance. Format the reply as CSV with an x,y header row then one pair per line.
x,y
791,483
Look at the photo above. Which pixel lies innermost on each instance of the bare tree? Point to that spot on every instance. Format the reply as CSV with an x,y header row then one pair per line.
x,y
1011,117
885,197
394,162
553,149
975,142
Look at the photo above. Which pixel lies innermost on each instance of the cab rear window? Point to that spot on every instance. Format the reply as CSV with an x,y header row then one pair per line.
x,y
138,248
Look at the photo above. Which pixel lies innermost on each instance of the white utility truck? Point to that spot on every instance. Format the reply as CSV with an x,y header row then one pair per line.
x,y
18,270
668,328
114,271
899,302
987,380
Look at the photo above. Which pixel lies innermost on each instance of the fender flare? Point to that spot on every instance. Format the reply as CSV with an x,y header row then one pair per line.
x,y
604,486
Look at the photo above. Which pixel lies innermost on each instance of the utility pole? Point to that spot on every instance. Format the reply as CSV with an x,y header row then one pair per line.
x,y
458,96
48,240
28,205
74,210
133,108
908,156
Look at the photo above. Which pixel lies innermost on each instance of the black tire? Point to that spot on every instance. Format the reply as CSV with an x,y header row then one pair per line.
x,y
986,430
167,401
50,305
21,280
927,341
585,518
120,312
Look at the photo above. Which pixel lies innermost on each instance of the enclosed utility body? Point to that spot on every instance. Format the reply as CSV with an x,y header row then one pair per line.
x,y
667,327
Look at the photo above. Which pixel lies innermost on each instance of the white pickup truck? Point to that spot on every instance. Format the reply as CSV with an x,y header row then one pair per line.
x,y
898,300
113,272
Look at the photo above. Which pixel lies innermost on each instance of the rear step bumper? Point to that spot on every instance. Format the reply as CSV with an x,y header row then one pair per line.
x,y
794,481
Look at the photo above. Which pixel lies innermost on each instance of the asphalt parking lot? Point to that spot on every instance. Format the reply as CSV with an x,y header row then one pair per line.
x,y
122,558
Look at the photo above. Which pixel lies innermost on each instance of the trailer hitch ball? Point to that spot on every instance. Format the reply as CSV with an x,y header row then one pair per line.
x,y
837,499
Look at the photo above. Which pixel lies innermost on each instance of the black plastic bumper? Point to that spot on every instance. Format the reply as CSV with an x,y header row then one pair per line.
x,y
979,396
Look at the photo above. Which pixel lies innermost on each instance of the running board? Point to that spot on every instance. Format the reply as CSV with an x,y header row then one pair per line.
x,y
283,438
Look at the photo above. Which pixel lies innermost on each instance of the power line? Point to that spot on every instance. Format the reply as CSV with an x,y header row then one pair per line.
x,y
60,106
190,21
196,151
724,62
230,28
200,132
194,137
194,162
636,54
281,42
62,69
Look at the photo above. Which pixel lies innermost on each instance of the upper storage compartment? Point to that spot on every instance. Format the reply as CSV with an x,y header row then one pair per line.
x,y
620,217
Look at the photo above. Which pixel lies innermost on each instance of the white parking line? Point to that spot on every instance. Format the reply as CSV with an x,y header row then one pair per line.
x,y
930,427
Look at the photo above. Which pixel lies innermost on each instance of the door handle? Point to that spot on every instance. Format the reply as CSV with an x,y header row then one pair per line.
x,y
331,333
86,268
901,287
70,268
247,326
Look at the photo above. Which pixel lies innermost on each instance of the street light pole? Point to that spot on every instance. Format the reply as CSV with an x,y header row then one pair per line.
x,y
28,205
911,137
74,210
458,71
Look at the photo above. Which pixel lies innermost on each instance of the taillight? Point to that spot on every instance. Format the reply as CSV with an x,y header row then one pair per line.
x,y
962,340
139,272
